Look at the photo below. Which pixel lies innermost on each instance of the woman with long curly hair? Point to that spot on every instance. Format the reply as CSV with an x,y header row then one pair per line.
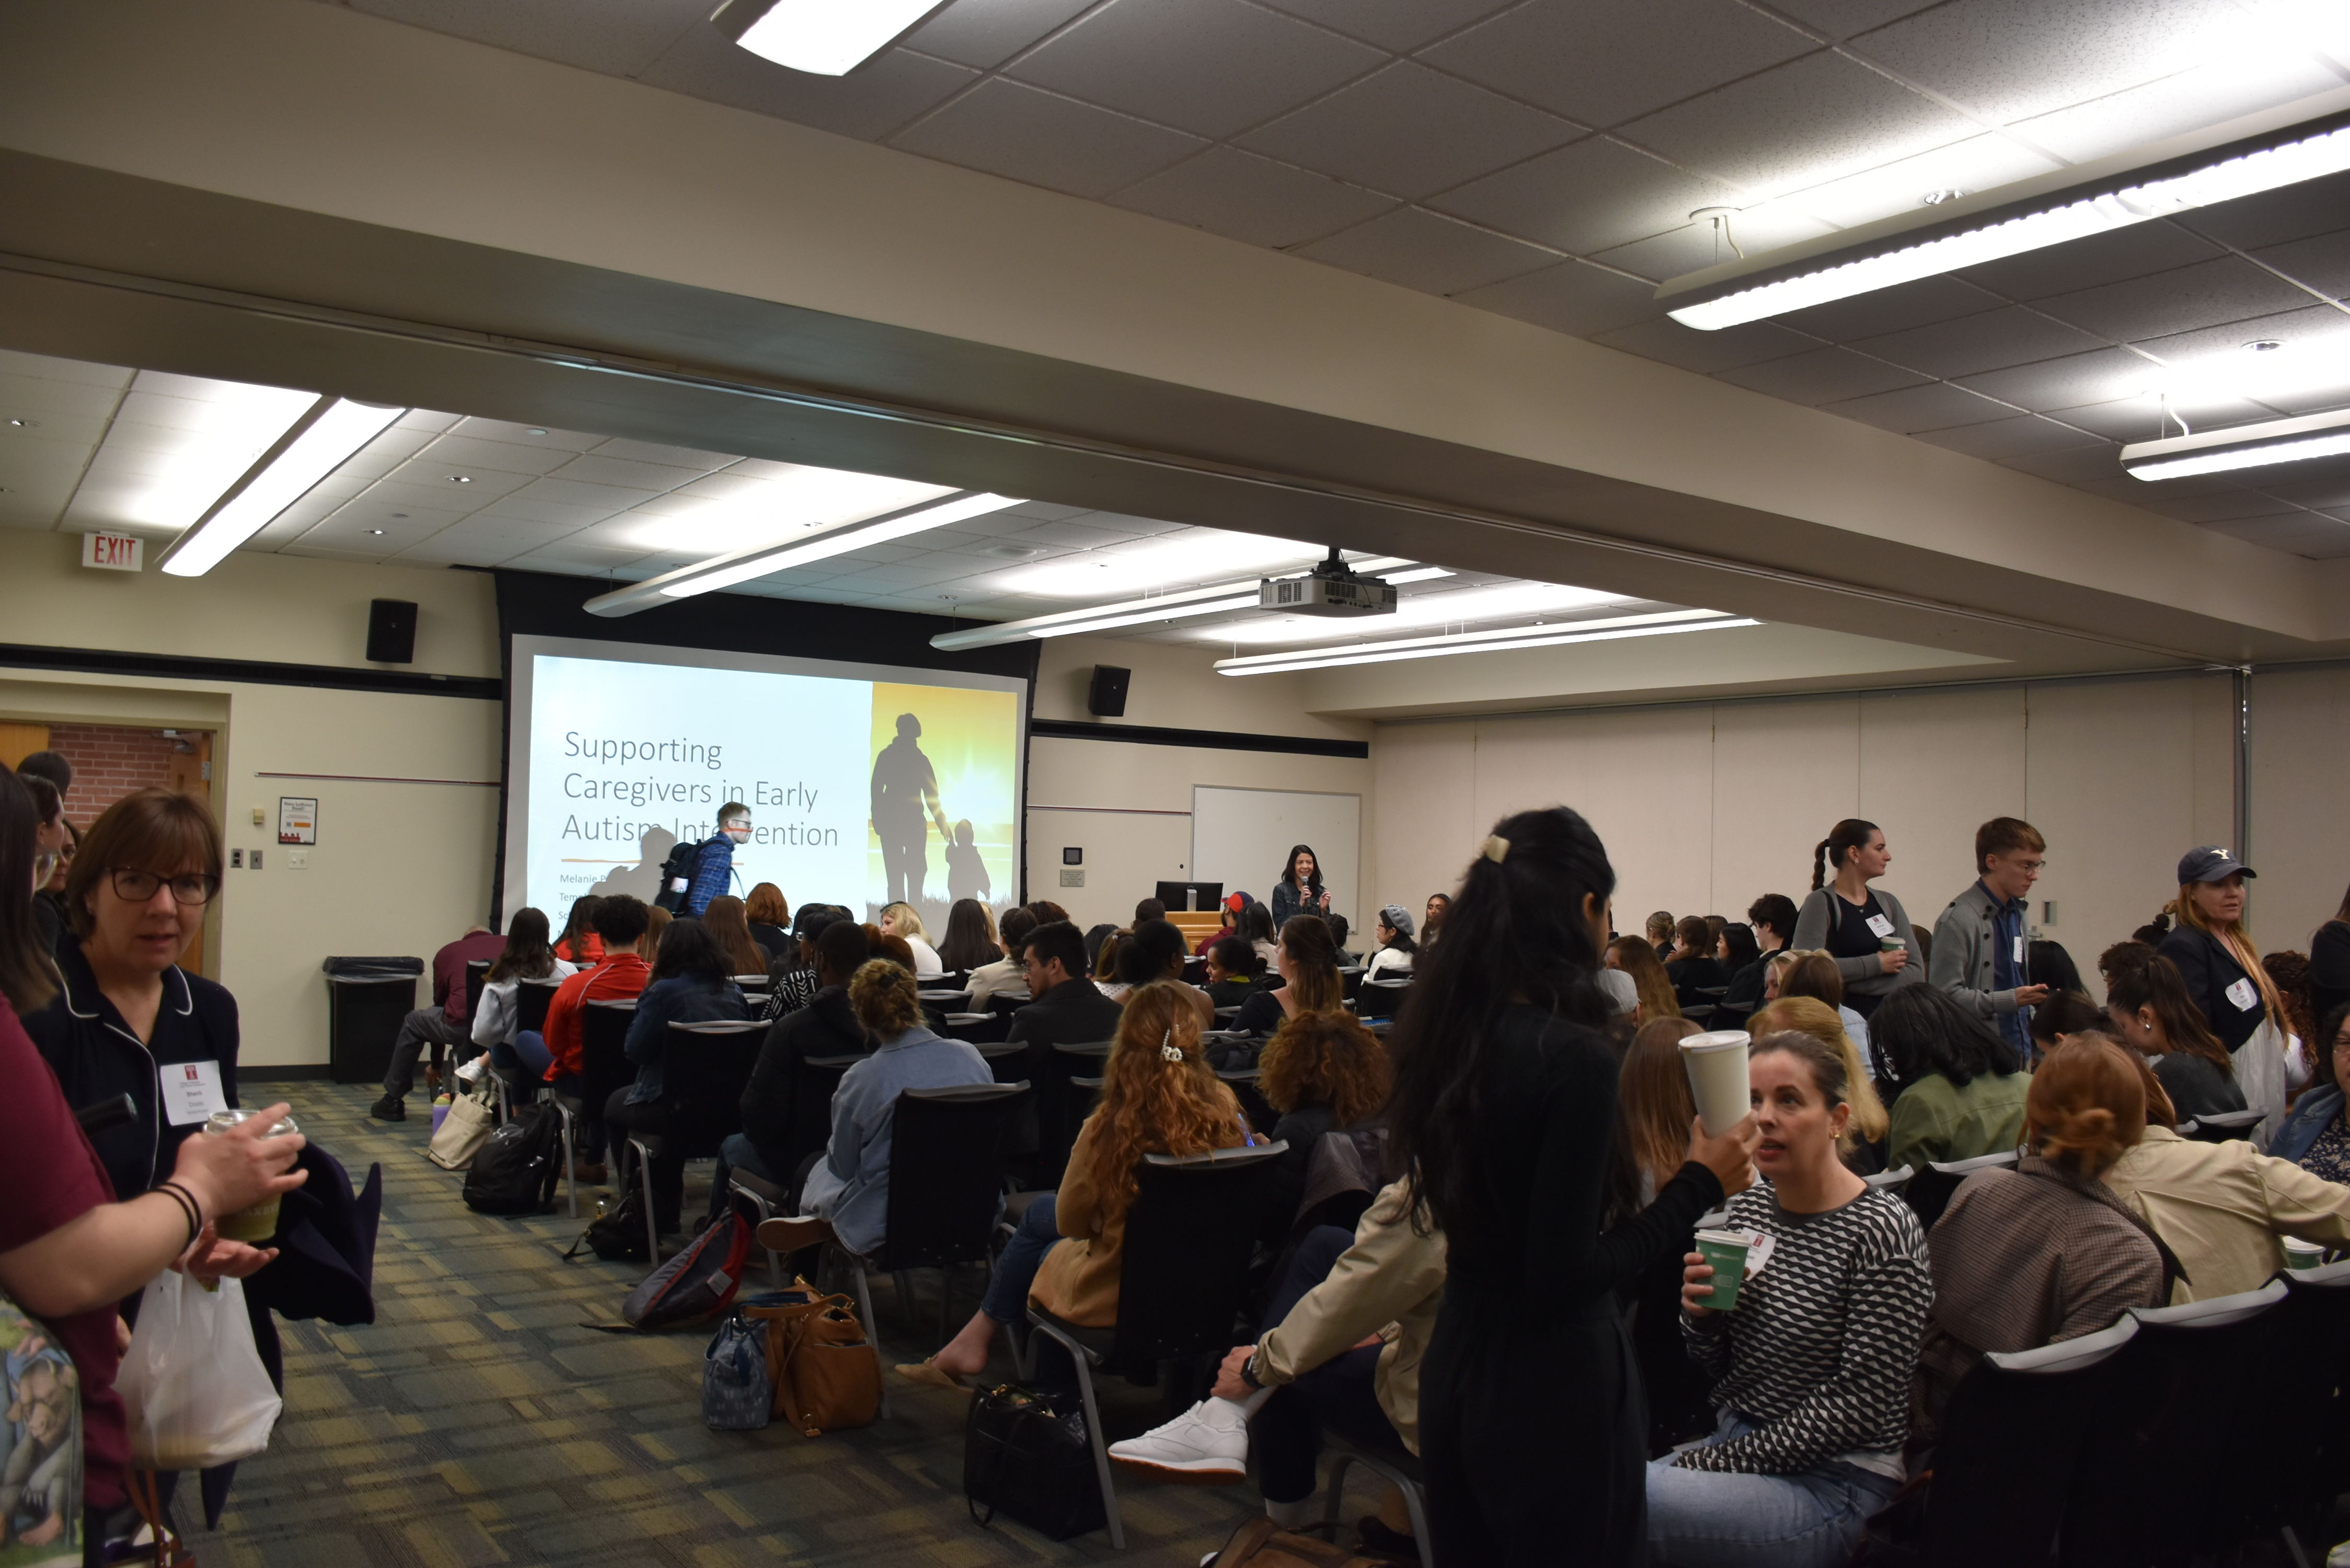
x,y
1159,1095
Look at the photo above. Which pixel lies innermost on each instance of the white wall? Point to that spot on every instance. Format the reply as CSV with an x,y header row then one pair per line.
x,y
1704,806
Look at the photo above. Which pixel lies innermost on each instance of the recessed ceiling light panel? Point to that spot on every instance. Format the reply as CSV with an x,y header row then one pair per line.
x,y
823,37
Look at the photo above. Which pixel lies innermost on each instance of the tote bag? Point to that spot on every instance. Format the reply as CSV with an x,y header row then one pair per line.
x,y
40,1404
463,1131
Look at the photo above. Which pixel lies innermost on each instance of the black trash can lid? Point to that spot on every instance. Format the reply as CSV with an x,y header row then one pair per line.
x,y
373,968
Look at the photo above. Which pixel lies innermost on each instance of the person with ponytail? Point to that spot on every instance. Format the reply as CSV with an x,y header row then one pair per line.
x,y
2216,956
1502,1124
1864,929
2046,1252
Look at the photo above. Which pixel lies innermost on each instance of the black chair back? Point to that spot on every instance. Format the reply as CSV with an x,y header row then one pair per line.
x,y
1381,997
2221,1126
813,1078
1930,1191
1350,981
977,1028
707,1067
477,974
1184,1273
531,997
947,1151
2306,1432
604,1059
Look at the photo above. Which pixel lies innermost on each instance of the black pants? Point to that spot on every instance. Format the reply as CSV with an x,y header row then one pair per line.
x,y
668,1169
425,1026
1341,1396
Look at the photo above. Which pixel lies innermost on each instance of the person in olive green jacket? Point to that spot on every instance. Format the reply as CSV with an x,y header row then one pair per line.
x,y
1961,1085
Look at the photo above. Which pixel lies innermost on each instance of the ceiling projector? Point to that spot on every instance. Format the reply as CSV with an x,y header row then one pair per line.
x,y
1329,589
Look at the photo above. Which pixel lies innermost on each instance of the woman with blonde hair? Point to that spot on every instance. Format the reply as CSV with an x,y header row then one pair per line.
x,y
1159,1095
1639,960
901,921
1869,1121
2217,958
2046,1252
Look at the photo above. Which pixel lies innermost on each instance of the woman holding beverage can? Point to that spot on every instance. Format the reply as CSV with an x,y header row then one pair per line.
x,y
1809,1334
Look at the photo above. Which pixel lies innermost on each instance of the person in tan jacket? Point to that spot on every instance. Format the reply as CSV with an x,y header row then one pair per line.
x,y
2222,1207
1159,1095
1341,1351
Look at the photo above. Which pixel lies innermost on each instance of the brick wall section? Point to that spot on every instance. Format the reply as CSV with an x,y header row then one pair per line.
x,y
109,761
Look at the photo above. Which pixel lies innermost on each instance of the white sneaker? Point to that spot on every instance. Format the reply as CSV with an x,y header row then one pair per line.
x,y
1206,1445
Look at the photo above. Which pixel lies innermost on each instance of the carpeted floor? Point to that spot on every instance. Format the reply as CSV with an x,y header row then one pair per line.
x,y
475,1421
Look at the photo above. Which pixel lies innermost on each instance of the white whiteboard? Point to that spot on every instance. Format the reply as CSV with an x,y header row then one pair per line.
x,y
1239,837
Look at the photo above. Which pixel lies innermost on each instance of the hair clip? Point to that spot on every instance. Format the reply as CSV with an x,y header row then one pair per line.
x,y
1167,1046
1497,848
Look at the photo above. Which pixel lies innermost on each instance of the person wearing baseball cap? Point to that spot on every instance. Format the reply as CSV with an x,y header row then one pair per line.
x,y
2214,951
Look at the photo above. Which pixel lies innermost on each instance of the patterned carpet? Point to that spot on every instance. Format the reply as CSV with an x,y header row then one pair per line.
x,y
476,1422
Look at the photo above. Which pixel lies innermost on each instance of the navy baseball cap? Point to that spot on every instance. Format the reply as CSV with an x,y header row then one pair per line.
x,y
2211,864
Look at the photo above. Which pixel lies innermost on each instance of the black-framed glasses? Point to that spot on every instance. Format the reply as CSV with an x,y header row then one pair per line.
x,y
139,886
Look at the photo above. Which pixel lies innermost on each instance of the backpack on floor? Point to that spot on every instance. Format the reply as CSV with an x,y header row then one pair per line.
x,y
516,1169
618,1234
736,1392
700,1280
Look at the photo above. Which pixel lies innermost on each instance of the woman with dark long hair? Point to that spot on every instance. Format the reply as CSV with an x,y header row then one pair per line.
x,y
1307,960
1864,928
579,945
2153,1014
968,945
528,955
2329,963
1299,891
1962,1084
690,984
1532,1432
732,931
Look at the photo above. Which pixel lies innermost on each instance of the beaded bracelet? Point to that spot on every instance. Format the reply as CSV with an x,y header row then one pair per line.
x,y
188,1207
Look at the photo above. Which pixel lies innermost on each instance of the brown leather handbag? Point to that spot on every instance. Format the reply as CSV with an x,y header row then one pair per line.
x,y
827,1374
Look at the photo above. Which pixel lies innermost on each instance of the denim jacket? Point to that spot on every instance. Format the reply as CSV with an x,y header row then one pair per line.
x,y
2307,1124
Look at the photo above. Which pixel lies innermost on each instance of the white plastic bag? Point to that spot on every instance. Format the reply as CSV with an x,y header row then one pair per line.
x,y
194,1384
2260,1071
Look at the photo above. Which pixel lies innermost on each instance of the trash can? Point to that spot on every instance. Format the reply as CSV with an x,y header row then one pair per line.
x,y
367,998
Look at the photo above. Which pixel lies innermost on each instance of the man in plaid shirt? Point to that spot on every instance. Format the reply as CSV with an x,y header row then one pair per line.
x,y
714,870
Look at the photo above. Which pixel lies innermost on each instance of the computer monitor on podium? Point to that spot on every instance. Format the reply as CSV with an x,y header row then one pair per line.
x,y
1181,895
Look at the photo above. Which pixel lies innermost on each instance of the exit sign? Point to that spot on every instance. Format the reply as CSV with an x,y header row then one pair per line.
x,y
113,552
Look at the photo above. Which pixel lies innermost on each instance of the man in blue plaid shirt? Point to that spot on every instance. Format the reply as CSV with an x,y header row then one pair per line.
x,y
713,869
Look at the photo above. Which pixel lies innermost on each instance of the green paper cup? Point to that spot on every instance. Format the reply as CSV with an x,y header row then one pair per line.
x,y
1887,944
1726,1251
2300,1254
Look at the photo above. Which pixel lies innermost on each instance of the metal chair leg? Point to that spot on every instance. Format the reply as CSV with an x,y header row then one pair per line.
x,y
570,1158
645,1182
1101,1446
766,1211
865,1306
904,1284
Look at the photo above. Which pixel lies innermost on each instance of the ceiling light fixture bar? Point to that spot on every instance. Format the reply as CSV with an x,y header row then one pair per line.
x,y
766,560
325,438
2304,140
2240,446
1183,604
823,37
1657,624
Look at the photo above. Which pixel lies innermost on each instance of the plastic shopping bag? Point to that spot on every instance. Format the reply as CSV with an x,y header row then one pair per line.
x,y
192,1382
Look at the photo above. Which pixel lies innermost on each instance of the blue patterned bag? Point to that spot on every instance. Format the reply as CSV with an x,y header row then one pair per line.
x,y
736,1392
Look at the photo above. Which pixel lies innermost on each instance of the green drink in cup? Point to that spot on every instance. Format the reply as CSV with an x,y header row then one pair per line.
x,y
2299,1254
258,1223
1725,1253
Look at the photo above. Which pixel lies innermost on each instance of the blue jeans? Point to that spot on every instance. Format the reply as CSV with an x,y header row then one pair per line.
x,y
1007,1291
1707,1519
735,1153
1340,1395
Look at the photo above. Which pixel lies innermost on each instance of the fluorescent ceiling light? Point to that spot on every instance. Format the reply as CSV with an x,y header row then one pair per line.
x,y
1657,624
727,512
1213,598
320,442
2240,446
2094,199
2284,372
824,37
743,566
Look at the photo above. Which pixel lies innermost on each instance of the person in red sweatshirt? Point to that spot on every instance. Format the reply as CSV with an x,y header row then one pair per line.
x,y
620,924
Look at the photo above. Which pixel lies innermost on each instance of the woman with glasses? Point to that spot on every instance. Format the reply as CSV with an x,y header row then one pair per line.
x,y
126,1018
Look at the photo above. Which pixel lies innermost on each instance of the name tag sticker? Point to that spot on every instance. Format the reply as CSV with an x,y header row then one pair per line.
x,y
2019,950
1758,1256
2244,995
1880,925
190,1091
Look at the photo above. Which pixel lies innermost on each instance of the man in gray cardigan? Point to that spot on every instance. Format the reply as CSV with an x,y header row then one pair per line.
x,y
1980,943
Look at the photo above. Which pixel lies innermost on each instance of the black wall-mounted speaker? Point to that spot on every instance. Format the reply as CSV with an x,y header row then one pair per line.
x,y
391,631
1105,698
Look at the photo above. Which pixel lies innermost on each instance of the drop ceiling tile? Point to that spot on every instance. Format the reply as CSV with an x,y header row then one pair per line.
x,y
2134,251
1210,67
2080,466
42,399
2178,104
594,468
869,102
1045,140
428,420
1708,353
616,37
481,429
2010,438
1966,344
1399,24
1245,197
45,367
2207,294
605,499
2271,218
1421,250
2227,507
1821,376
547,513
50,431
1844,19
1978,163
2097,376
2321,262
2122,419
2324,484
986,33
1572,296
419,483
1590,195
1601,62
1410,131
1795,126
671,456
1895,310
1689,246
2011,59
466,454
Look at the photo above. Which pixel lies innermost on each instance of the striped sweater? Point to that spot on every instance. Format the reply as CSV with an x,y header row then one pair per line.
x,y
1820,1350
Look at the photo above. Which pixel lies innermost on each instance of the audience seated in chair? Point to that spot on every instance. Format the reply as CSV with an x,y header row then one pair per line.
x,y
527,955
1234,971
1154,951
902,921
826,1026
1308,961
1257,929
2064,1013
445,1026
2147,1007
791,982
1693,968
1634,957
620,974
767,915
1813,973
1005,977
1157,1096
843,1195
1862,1142
1397,950
1654,1112
969,942
2046,1252
690,984
1067,1009
2221,1208
1961,1088
1321,1072
730,928
2317,1135
580,942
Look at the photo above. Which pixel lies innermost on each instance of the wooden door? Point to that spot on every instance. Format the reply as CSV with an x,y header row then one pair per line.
x,y
18,742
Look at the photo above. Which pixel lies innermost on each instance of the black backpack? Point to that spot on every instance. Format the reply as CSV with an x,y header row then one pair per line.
x,y
617,1235
516,1169
683,861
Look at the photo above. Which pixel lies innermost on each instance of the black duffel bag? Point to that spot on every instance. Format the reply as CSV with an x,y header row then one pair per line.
x,y
1026,1457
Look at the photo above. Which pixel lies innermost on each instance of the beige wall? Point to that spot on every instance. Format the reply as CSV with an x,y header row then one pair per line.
x,y
1706,806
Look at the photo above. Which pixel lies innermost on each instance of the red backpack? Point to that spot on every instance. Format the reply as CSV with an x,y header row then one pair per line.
x,y
699,1283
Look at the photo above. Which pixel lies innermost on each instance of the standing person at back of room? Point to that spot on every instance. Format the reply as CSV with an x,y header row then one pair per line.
x,y
713,865
1981,956
1299,891
2216,956
1864,929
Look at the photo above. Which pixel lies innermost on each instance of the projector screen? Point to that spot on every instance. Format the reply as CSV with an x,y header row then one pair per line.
x,y
866,784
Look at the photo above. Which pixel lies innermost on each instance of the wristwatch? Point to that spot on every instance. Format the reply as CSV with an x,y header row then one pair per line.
x,y
1248,1372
